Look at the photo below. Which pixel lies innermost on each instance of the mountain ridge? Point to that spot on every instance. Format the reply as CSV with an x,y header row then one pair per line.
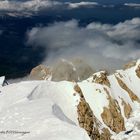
x,y
102,105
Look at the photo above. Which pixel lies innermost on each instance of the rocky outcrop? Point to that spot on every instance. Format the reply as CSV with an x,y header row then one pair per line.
x,y
85,114
112,116
88,121
105,135
101,78
138,71
40,72
128,90
127,109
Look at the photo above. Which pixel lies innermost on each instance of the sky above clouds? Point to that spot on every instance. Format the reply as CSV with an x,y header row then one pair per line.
x,y
111,45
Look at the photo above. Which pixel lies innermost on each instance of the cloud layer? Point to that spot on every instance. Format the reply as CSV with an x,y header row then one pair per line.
x,y
102,45
25,8
81,4
36,5
132,4
30,7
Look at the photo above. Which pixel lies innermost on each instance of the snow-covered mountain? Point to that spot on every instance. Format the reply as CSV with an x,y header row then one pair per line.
x,y
102,107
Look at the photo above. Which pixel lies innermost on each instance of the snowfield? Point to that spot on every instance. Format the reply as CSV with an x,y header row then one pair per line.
x,y
40,110
26,107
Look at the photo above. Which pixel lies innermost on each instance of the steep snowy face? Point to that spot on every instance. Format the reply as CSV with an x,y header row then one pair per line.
x,y
102,107
122,94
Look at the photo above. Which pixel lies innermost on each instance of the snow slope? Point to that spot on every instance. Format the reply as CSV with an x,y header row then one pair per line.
x,y
38,110
34,110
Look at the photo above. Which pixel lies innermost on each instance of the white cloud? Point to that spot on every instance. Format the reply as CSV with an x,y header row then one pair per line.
x,y
36,5
132,4
31,5
26,6
81,4
102,45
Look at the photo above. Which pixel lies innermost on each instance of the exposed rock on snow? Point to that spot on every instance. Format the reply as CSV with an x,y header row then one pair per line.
x,y
87,119
128,90
101,78
112,116
127,109
138,71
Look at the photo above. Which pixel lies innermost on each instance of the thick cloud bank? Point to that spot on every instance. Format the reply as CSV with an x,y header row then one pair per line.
x,y
25,8
103,45
31,5
36,5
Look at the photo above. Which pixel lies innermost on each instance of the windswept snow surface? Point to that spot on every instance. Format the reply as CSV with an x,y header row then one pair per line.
x,y
42,110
